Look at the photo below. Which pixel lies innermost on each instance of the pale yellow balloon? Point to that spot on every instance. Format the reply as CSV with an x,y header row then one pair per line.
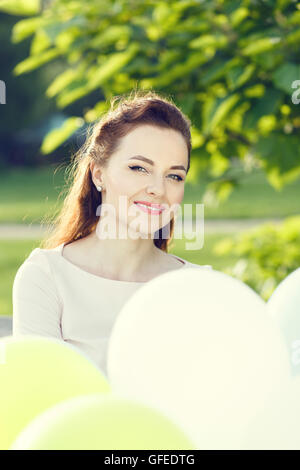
x,y
36,373
276,427
95,422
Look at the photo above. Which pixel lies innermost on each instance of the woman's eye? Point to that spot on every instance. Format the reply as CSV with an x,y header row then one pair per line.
x,y
178,178
134,168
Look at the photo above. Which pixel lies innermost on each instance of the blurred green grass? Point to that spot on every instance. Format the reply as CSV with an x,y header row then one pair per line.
x,y
14,252
12,255
27,195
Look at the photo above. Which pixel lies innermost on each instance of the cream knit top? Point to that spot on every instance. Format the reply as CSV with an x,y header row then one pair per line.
x,y
55,298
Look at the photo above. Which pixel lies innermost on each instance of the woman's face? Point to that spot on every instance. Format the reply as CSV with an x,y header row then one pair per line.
x,y
141,170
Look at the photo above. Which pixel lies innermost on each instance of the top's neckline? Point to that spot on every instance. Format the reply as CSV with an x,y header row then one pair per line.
x,y
60,247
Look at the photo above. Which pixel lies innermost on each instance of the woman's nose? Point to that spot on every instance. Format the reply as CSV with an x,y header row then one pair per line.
x,y
157,187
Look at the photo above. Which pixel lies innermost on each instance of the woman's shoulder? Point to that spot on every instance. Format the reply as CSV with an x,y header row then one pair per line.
x,y
40,258
37,303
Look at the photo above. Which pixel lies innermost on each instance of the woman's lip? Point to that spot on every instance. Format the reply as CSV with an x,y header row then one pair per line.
x,y
149,210
156,206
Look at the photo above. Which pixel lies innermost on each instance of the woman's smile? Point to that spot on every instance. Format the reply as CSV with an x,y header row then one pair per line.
x,y
150,209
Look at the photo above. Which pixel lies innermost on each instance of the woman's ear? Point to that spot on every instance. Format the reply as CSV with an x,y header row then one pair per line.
x,y
95,173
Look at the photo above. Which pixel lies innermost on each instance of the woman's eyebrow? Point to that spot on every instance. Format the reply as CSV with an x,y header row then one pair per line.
x,y
147,160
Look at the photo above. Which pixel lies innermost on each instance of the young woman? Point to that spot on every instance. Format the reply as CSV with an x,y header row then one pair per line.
x,y
134,165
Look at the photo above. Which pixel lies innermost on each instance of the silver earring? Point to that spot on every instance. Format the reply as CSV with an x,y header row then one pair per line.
x,y
99,188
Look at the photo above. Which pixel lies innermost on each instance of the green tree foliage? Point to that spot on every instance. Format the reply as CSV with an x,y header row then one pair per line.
x,y
266,254
230,65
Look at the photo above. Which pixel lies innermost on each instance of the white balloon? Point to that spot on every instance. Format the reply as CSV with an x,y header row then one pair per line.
x,y
284,308
277,426
199,346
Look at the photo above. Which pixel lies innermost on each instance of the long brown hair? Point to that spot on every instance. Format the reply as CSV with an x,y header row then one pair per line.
x,y
78,216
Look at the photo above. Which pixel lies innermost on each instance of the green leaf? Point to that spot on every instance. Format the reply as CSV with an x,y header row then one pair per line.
x,y
25,28
197,137
293,37
218,191
222,111
20,7
238,76
110,36
39,43
62,81
216,70
281,157
238,16
113,64
164,17
65,39
76,90
55,27
285,75
261,45
255,91
94,77
266,105
35,61
187,103
96,112
206,40
180,70
219,164
57,136
167,58
199,163
161,12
